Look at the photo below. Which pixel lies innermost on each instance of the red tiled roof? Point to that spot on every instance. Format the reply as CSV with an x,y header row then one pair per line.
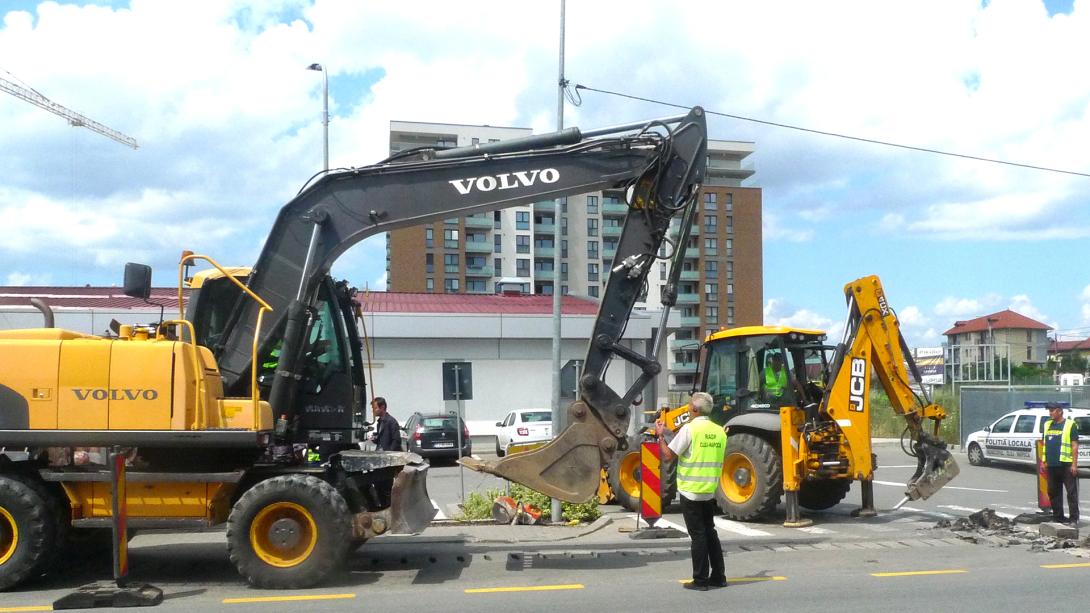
x,y
538,304
1003,320
85,297
1061,346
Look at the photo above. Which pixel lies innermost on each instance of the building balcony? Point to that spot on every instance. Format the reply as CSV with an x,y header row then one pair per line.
x,y
611,230
607,254
689,322
693,252
688,298
544,252
683,367
479,221
684,344
545,228
544,275
545,206
619,209
479,271
690,275
479,247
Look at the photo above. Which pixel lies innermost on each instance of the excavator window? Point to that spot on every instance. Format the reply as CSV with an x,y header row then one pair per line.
x,y
741,375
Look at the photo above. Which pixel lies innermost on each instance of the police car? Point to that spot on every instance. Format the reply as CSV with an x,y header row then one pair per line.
x,y
1013,437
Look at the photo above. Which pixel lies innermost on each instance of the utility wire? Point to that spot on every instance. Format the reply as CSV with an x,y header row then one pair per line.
x,y
837,135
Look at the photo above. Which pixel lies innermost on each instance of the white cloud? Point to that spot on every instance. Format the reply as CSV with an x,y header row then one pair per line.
x,y
778,312
773,229
1024,305
18,278
961,308
381,282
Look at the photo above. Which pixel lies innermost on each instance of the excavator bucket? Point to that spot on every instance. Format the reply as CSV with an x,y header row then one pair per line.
x,y
567,468
935,467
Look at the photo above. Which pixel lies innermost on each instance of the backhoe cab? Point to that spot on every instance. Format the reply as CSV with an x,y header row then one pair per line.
x,y
798,413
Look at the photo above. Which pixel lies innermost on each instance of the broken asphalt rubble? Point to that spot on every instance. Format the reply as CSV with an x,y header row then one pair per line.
x,y
985,527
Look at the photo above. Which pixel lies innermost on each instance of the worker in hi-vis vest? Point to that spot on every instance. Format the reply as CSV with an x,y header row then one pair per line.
x,y
699,448
775,377
1062,463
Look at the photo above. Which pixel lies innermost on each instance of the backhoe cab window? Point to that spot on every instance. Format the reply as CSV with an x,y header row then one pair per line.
x,y
323,354
748,373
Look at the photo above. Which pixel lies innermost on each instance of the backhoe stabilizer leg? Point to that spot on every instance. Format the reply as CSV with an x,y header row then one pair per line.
x,y
866,509
568,468
935,467
794,514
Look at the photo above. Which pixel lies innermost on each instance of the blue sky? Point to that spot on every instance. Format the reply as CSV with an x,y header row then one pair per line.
x,y
228,120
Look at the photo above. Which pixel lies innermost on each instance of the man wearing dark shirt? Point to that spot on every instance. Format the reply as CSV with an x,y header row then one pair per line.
x,y
1062,462
387,436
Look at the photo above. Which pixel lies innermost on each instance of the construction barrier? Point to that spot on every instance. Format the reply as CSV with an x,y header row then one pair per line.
x,y
1042,479
650,482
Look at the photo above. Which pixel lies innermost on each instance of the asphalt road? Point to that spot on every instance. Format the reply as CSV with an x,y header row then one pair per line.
x,y
936,575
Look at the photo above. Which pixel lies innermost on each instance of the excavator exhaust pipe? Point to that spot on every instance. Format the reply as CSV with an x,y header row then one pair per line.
x,y
935,467
568,468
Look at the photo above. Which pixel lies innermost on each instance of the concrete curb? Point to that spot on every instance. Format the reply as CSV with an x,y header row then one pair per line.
x,y
563,533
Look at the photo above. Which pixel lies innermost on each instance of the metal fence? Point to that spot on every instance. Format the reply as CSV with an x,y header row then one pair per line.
x,y
983,404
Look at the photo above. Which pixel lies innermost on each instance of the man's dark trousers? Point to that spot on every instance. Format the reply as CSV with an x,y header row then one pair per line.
x,y
1059,479
707,552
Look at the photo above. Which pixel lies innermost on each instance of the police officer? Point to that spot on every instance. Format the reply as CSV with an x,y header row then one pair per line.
x,y
1062,462
775,377
699,448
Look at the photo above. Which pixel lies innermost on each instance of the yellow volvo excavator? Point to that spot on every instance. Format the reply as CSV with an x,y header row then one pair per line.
x,y
209,407
798,414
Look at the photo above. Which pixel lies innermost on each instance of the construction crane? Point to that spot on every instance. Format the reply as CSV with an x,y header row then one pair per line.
x,y
74,118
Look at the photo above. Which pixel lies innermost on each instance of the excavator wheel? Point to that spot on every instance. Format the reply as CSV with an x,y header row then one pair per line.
x,y
752,481
30,533
289,532
623,476
823,494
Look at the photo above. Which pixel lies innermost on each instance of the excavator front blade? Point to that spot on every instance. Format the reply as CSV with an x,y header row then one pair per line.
x,y
935,467
568,468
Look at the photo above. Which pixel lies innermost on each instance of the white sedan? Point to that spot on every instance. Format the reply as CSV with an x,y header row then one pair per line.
x,y
523,426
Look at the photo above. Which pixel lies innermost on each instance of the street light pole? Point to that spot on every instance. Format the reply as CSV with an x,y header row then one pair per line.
x,y
325,111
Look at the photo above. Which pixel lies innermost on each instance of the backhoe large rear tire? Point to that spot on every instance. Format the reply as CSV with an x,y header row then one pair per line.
x,y
289,532
823,494
30,531
624,476
752,481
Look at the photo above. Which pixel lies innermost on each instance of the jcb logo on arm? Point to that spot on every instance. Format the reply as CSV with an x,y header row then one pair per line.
x,y
522,178
857,384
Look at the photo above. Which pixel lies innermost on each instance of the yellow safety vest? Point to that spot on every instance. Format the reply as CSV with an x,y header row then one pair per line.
x,y
775,382
1065,439
699,468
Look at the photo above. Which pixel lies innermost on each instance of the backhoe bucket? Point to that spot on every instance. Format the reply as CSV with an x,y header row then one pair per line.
x,y
410,508
935,468
567,468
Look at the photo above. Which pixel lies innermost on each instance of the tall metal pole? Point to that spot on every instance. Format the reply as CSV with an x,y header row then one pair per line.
x,y
325,111
557,513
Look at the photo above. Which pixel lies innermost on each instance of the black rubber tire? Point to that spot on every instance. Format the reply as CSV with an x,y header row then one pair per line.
x,y
499,451
324,505
627,499
823,494
767,478
32,509
976,455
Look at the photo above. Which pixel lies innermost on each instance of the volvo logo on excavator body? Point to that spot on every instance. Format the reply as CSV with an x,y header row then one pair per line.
x,y
507,180
91,393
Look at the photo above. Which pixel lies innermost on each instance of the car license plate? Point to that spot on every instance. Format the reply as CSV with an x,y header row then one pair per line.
x,y
443,445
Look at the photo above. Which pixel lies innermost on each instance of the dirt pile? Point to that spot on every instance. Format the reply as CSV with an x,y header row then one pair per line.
x,y
986,527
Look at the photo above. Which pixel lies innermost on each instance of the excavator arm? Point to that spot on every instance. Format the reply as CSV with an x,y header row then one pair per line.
x,y
873,341
660,164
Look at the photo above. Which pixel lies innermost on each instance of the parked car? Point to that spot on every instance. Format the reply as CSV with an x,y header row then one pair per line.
x,y
1013,437
523,426
435,435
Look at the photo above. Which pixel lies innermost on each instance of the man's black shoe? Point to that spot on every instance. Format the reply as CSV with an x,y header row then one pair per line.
x,y
692,585
717,583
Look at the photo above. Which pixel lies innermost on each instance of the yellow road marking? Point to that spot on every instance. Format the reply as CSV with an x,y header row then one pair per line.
x,y
19,609
1076,565
288,598
914,573
742,579
531,588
